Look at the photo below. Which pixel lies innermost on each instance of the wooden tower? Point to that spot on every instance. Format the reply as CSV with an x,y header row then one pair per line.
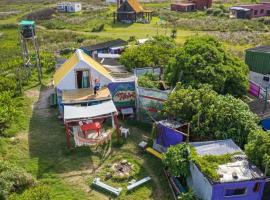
x,y
29,46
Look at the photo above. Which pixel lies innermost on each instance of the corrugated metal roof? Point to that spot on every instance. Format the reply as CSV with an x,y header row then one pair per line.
x,y
258,59
98,67
219,147
104,45
87,112
265,49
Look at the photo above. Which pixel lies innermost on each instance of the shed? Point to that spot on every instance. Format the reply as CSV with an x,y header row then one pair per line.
x,y
130,11
104,47
258,61
69,7
240,12
239,179
184,7
168,133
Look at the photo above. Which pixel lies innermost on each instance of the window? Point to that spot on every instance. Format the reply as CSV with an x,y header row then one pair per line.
x,y
255,12
262,10
235,192
256,187
82,78
268,12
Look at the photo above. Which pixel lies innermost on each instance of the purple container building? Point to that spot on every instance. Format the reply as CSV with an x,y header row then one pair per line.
x,y
239,179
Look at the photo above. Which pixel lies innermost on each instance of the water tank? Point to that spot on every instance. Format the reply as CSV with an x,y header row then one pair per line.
x,y
27,28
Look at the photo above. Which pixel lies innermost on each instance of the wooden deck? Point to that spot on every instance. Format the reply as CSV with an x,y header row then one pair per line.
x,y
85,95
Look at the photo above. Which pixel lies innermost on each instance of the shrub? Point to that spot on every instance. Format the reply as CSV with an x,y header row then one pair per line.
x,y
149,80
13,179
98,28
7,111
258,149
40,192
177,159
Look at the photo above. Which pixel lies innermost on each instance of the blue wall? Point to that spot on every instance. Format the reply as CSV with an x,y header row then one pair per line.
x,y
218,191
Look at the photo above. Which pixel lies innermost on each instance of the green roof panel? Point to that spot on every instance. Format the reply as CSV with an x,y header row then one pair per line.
x,y
258,59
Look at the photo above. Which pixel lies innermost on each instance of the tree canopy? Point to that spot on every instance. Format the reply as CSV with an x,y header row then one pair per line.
x,y
154,53
212,116
203,60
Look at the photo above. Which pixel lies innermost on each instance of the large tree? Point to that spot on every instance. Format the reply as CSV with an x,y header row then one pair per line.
x,y
154,53
212,116
204,60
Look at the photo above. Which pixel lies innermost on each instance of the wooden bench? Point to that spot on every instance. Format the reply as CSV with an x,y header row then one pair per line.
x,y
138,183
106,187
154,152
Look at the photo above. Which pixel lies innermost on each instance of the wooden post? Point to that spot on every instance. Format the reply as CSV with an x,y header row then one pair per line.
x,y
67,136
116,125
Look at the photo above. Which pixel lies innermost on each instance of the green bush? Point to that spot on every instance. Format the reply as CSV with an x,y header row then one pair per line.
x,y
98,28
13,179
177,159
258,149
149,80
187,196
40,192
7,111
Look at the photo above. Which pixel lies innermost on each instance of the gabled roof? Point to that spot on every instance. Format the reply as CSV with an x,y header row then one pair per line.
x,y
137,7
78,56
62,71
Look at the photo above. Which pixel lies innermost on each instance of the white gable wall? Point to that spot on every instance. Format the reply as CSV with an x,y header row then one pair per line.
x,y
104,81
199,183
69,81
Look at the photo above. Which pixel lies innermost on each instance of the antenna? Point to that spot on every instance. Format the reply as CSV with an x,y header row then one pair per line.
x,y
29,46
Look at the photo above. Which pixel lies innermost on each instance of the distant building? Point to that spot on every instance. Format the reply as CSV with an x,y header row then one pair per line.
x,y
112,46
191,5
239,179
130,11
250,11
69,7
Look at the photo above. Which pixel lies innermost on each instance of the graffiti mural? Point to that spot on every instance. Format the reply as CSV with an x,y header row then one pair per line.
x,y
123,94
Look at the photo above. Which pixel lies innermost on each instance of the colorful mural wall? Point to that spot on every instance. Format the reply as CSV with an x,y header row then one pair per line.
x,y
123,94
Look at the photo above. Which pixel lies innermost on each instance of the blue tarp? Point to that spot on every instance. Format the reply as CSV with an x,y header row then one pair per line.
x,y
168,136
265,123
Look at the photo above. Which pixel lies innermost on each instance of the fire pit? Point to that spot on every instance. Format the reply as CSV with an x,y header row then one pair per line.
x,y
123,169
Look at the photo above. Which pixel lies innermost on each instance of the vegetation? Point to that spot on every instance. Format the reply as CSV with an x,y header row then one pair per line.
x,y
149,80
258,149
212,116
13,179
203,60
162,48
177,160
40,192
208,164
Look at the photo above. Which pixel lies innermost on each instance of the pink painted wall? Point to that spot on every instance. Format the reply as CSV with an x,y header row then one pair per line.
x,y
258,10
